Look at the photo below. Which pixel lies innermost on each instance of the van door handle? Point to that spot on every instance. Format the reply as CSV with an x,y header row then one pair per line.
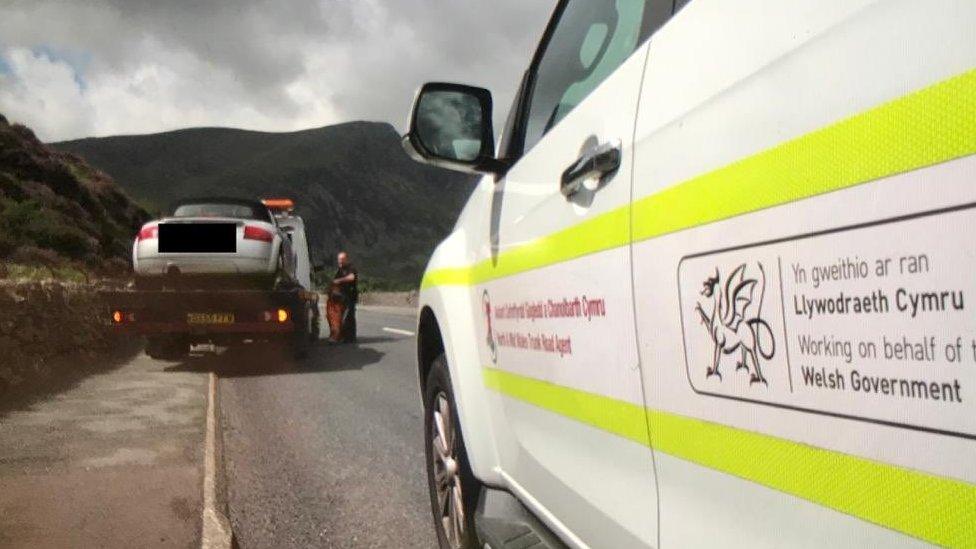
x,y
596,162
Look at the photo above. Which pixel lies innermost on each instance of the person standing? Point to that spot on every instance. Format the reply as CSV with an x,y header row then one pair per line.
x,y
347,279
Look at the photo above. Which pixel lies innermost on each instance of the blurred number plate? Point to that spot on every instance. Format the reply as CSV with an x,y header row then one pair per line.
x,y
209,318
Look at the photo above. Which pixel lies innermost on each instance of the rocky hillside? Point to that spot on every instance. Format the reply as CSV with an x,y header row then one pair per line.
x,y
56,211
352,183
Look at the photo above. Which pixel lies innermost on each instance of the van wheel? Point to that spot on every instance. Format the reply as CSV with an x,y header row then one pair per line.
x,y
453,489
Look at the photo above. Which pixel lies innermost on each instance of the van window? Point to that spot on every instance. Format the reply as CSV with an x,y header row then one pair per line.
x,y
590,40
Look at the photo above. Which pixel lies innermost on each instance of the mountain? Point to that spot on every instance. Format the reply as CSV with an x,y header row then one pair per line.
x,y
352,183
56,210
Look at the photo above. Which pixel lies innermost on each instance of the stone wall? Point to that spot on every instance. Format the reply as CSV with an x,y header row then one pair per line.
x,y
46,327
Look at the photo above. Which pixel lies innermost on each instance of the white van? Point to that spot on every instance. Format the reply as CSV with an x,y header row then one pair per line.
x,y
715,288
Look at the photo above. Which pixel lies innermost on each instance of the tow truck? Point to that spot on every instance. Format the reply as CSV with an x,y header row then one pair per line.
x,y
185,312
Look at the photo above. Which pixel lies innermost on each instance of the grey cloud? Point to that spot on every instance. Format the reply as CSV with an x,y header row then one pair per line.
x,y
291,64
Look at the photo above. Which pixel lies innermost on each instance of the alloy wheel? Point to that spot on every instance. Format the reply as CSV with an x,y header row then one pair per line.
x,y
447,471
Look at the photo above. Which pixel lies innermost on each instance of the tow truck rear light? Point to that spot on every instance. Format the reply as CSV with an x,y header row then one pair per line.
x,y
118,317
148,232
279,315
252,232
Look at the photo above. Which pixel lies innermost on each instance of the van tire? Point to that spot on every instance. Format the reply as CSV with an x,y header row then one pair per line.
x,y
438,395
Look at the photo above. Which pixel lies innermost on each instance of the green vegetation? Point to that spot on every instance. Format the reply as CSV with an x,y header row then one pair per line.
x,y
29,223
36,273
59,217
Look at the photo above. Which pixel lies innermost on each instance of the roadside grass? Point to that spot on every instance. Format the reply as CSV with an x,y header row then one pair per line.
x,y
39,273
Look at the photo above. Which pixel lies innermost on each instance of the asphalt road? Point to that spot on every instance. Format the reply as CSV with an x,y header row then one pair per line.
x,y
327,452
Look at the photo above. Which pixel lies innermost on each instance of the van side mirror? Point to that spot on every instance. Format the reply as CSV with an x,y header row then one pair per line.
x,y
450,127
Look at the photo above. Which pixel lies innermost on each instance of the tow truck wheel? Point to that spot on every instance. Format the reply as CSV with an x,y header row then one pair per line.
x,y
453,488
302,337
167,347
315,332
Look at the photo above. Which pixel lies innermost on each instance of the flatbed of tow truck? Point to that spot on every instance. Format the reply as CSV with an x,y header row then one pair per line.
x,y
172,320
210,309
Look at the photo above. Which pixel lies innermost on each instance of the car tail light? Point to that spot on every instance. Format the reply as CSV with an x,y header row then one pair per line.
x,y
148,232
257,233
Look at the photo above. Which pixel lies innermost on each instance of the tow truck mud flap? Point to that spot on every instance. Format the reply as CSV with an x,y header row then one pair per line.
x,y
503,523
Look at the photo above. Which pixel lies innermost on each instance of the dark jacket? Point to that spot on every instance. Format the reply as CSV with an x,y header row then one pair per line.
x,y
350,291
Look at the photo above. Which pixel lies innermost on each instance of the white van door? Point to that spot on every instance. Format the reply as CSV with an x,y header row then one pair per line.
x,y
561,301
803,265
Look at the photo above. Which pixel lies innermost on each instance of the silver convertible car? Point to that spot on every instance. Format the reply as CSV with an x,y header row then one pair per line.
x,y
223,241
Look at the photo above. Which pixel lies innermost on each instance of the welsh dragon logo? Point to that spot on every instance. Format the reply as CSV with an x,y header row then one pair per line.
x,y
734,322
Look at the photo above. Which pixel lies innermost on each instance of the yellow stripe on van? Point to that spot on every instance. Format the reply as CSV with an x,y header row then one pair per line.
x,y
932,508
929,126
933,125
604,232
616,416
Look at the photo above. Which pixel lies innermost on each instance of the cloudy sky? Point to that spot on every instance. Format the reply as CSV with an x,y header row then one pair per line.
x,y
72,68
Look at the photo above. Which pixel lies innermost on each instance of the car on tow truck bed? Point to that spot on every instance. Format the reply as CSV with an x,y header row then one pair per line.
x,y
207,304
232,240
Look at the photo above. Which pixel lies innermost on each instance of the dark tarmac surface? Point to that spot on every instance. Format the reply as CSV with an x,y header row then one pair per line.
x,y
328,452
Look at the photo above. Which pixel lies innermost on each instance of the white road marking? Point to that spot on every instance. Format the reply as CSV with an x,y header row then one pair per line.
x,y
398,331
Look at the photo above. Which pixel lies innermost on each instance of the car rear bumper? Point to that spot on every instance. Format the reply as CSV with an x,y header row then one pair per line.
x,y
206,265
